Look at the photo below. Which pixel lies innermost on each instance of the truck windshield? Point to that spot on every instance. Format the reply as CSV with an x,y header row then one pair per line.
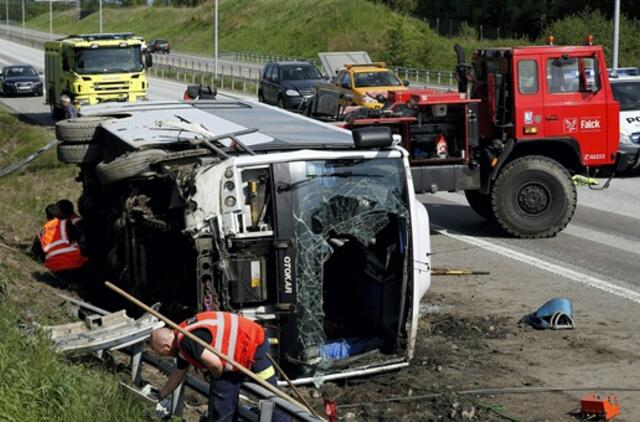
x,y
355,210
108,60
627,94
369,79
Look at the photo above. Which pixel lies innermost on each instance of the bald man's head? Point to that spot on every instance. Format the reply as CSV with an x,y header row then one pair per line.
x,y
161,342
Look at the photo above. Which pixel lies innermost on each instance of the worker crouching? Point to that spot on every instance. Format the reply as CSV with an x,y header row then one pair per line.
x,y
238,338
57,242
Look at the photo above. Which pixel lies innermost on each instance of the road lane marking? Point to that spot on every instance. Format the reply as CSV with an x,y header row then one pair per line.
x,y
606,239
567,273
601,237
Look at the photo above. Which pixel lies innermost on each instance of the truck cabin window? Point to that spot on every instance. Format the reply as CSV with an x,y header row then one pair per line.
x,y
371,79
528,76
563,74
108,60
346,81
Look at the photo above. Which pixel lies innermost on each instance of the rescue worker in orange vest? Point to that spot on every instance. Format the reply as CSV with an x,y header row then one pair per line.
x,y
56,244
239,338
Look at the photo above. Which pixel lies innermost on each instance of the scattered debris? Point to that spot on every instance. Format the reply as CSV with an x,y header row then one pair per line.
x,y
595,406
102,332
580,180
556,314
458,272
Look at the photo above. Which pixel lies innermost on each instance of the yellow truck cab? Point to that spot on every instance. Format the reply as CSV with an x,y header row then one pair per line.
x,y
95,68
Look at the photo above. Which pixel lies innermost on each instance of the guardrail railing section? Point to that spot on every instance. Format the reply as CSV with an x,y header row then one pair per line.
x,y
234,77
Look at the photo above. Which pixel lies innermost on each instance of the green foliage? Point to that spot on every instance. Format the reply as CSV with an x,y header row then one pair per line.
x,y
402,6
409,44
467,32
572,30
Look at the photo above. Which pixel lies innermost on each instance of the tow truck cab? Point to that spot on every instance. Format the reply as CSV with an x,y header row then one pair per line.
x,y
523,122
557,96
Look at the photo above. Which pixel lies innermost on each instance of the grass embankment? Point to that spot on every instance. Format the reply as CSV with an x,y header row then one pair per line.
x,y
37,384
281,27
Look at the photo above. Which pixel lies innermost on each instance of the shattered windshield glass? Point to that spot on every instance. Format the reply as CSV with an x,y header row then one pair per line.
x,y
338,199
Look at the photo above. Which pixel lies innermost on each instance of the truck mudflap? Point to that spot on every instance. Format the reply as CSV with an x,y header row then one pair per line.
x,y
445,178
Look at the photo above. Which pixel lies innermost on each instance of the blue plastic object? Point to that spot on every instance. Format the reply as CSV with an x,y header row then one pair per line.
x,y
555,314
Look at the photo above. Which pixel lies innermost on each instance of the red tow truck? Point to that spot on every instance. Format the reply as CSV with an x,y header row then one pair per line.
x,y
523,122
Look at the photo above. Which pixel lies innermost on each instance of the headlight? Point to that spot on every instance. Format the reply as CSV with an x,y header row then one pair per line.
x,y
230,201
368,100
9,83
292,93
38,83
625,139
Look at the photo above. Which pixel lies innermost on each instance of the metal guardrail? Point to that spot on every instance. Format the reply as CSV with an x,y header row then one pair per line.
x,y
234,77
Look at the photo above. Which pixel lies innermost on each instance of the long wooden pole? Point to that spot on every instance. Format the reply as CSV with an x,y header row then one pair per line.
x,y
291,385
206,345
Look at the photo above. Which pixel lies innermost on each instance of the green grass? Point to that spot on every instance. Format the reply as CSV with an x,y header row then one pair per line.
x,y
25,193
281,27
37,384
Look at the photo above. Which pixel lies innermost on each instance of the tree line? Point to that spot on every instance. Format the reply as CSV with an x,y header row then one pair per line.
x,y
531,18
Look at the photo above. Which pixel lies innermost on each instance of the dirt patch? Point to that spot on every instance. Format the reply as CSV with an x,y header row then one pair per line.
x,y
450,350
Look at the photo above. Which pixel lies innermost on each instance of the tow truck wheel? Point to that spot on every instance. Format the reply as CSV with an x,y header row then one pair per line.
x,y
533,197
481,204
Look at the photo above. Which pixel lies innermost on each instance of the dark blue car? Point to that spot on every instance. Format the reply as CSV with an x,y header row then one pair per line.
x,y
288,84
20,79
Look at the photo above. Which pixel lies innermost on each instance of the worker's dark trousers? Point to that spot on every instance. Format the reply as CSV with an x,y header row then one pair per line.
x,y
223,393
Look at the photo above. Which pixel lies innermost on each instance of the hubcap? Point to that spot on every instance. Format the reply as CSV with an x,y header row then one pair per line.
x,y
533,198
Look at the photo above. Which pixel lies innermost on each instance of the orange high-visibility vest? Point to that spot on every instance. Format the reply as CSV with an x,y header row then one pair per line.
x,y
60,253
233,335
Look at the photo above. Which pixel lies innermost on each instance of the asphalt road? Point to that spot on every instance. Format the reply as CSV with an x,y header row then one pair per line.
x,y
595,261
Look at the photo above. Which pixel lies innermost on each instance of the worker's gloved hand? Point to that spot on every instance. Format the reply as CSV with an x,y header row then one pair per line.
x,y
163,408
151,392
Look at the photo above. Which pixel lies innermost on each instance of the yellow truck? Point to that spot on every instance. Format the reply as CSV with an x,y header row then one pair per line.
x,y
95,68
